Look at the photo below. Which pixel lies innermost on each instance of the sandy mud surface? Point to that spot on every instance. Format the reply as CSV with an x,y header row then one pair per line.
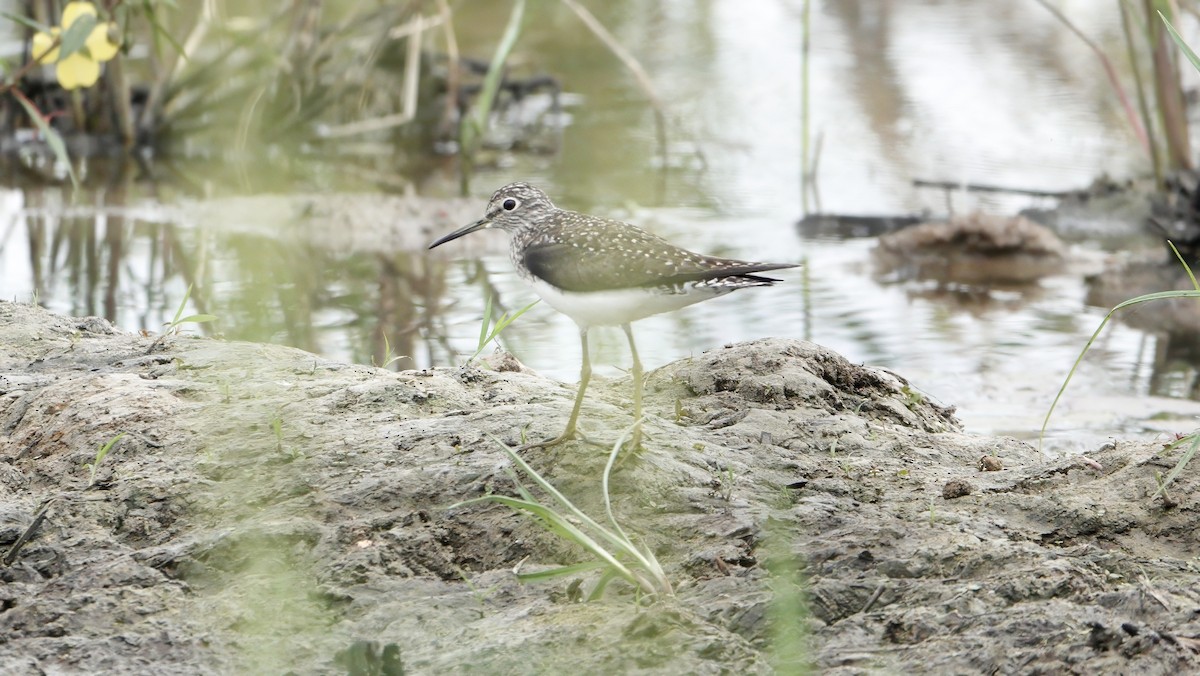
x,y
270,511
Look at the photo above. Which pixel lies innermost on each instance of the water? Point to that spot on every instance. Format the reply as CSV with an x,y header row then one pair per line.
x,y
977,91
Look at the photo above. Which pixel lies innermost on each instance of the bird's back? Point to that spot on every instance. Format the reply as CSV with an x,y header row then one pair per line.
x,y
580,253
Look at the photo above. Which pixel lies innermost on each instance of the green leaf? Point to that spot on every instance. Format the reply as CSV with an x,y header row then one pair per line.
x,y
26,22
53,139
505,320
75,37
556,523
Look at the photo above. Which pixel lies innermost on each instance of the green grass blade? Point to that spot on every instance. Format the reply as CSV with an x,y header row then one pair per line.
x,y
1183,46
547,486
160,31
541,575
618,539
500,325
1159,295
647,575
197,319
101,453
553,520
182,304
608,467
525,494
601,584
495,74
1183,461
621,544
643,555
506,320
1186,267
483,328
104,450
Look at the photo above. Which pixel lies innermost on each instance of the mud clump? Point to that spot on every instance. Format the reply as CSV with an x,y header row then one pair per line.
x,y
973,249
270,511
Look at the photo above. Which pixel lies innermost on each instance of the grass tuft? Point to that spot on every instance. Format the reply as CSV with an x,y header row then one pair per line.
x,y
496,325
614,551
101,453
172,327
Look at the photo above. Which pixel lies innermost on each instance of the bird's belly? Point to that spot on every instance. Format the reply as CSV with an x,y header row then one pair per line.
x,y
619,306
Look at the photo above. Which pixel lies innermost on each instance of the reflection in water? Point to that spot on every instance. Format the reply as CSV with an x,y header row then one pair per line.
x,y
1174,372
97,260
410,296
369,308
100,260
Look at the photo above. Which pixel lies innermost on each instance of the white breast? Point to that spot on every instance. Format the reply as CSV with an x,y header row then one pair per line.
x,y
620,306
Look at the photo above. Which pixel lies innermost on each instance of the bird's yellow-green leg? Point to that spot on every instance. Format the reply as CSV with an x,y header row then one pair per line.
x,y
585,374
635,441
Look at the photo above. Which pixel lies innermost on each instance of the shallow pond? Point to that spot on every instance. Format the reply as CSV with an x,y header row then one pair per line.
x,y
971,91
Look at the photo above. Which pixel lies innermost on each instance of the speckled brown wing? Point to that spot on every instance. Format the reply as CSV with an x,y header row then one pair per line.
x,y
582,254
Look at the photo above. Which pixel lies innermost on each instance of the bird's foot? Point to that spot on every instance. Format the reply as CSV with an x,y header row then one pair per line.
x,y
569,434
632,445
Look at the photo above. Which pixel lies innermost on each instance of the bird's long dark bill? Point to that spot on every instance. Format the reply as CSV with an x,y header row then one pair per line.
x,y
477,225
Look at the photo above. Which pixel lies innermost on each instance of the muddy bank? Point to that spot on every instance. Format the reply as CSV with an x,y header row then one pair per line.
x,y
267,510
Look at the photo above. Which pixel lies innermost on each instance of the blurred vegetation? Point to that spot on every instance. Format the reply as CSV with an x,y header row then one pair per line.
x,y
1159,121
234,76
1153,53
228,80
216,76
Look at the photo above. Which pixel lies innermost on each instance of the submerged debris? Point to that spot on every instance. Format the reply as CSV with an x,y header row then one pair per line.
x,y
972,249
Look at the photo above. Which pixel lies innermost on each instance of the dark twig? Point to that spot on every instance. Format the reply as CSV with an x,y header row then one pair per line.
x,y
29,65
38,518
874,597
982,187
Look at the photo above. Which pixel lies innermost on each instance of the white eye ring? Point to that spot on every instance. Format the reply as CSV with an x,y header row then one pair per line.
x,y
510,204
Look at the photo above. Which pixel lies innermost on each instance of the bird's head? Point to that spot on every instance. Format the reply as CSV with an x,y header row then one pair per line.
x,y
513,207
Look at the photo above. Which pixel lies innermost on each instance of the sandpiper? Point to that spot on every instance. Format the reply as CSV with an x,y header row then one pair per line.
x,y
603,272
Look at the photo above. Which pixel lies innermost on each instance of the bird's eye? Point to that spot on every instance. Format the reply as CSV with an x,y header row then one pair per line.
x,y
509,204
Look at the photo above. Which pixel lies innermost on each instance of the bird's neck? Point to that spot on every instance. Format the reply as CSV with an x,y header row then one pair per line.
x,y
525,234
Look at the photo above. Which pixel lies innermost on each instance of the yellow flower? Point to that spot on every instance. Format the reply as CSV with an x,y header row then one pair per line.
x,y
81,68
